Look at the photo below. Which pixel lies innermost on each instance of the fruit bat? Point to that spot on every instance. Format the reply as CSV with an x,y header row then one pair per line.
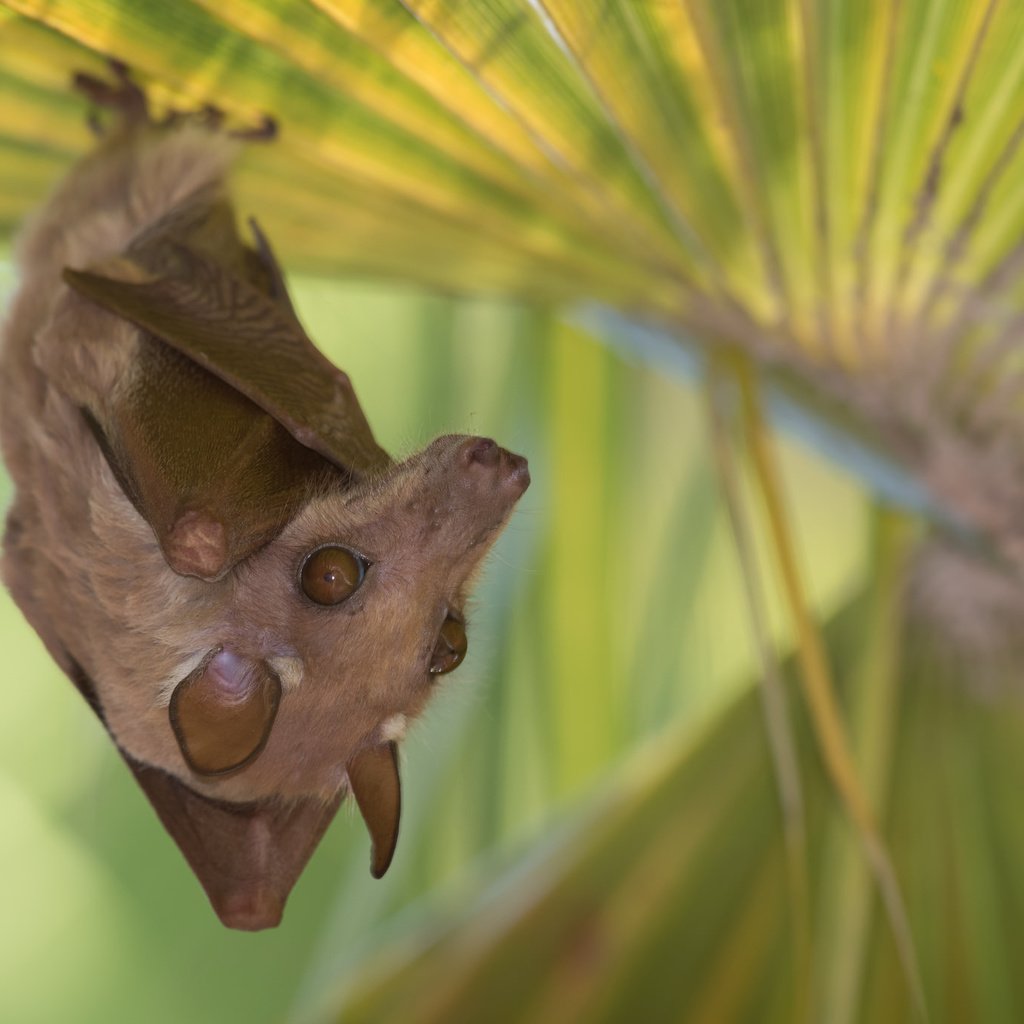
x,y
250,593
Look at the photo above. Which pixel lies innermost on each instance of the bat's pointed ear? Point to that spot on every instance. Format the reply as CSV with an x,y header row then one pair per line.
x,y
246,856
222,712
375,783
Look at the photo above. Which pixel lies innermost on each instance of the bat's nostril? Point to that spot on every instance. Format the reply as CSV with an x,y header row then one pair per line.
x,y
518,472
482,450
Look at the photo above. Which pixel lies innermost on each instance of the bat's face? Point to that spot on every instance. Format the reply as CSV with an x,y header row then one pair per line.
x,y
337,632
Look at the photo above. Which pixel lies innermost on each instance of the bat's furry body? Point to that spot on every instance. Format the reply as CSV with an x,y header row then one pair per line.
x,y
89,559
76,548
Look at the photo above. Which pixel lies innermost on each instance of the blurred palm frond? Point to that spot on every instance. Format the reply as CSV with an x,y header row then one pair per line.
x,y
666,899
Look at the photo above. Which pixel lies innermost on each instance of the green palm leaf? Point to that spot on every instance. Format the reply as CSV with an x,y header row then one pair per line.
x,y
666,898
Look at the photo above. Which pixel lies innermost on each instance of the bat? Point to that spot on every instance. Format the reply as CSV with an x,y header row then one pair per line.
x,y
250,593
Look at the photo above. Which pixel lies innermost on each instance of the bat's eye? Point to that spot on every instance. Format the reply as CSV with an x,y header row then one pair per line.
x,y
331,574
450,648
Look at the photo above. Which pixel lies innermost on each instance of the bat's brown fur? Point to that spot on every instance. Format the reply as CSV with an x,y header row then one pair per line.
x,y
76,549
90,576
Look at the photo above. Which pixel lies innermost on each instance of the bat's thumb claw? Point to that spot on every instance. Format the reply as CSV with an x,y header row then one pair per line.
x,y
375,783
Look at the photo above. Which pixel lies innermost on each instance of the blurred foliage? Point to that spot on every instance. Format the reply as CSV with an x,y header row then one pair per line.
x,y
826,195
668,899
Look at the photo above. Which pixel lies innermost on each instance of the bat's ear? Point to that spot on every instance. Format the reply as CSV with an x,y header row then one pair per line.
x,y
375,783
222,712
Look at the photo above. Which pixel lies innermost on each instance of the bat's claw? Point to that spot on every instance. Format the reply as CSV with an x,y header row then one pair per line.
x,y
265,132
128,102
124,97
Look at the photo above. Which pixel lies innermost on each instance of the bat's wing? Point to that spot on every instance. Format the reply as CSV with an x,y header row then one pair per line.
x,y
230,409
246,856
214,476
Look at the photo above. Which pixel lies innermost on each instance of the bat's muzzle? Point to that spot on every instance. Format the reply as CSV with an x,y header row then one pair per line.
x,y
512,470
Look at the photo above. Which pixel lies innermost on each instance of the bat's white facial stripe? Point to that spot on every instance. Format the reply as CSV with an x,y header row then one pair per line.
x,y
394,728
180,671
290,671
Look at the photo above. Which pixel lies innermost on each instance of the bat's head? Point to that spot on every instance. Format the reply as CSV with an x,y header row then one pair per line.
x,y
341,628
332,638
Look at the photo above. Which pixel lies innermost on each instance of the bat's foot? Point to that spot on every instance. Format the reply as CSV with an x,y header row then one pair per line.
x,y
127,100
211,116
266,131
123,96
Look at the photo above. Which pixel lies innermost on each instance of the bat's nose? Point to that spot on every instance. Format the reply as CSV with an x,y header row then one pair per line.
x,y
517,475
514,471
482,450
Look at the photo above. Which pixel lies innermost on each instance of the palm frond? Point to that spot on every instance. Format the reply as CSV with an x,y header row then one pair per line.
x,y
667,897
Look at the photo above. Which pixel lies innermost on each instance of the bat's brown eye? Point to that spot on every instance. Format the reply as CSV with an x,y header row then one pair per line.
x,y
329,575
450,648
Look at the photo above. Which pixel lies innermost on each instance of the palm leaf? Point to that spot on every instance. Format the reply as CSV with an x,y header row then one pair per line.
x,y
665,899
